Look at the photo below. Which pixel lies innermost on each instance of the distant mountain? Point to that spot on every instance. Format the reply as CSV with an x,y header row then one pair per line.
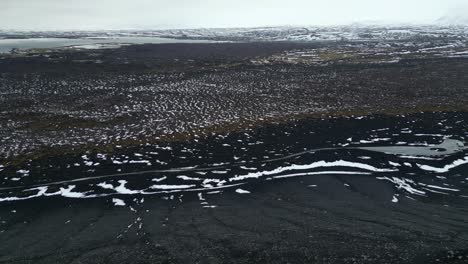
x,y
461,19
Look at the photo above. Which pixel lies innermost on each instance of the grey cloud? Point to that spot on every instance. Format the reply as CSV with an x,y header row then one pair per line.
x,y
115,14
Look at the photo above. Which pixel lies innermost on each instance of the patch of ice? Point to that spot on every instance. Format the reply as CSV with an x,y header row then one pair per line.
x,y
25,172
446,168
374,140
122,189
318,164
403,184
147,162
68,192
104,185
219,172
200,197
159,179
41,192
417,157
439,187
247,168
241,191
118,202
171,187
429,135
186,178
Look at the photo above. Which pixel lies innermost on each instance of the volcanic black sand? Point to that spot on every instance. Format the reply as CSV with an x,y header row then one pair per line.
x,y
280,163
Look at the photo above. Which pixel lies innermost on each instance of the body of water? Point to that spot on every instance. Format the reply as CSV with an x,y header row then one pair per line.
x,y
6,45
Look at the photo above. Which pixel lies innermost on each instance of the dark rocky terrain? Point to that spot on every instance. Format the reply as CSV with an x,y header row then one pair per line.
x,y
283,152
139,93
299,192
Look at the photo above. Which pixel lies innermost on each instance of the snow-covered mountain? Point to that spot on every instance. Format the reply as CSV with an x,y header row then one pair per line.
x,y
355,32
460,19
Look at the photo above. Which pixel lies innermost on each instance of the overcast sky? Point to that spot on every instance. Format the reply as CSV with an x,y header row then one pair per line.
x,y
124,14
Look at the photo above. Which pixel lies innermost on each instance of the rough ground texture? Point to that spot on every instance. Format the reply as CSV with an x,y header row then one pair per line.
x,y
233,153
281,222
400,214
140,93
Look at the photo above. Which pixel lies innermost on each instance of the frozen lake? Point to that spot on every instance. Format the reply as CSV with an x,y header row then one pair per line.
x,y
6,45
